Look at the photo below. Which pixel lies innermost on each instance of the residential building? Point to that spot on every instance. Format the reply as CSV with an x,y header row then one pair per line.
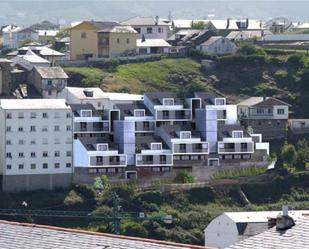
x,y
225,26
265,115
279,25
91,39
13,39
36,144
217,45
286,233
152,46
244,35
179,24
302,27
232,227
97,97
46,53
49,81
149,27
47,36
42,236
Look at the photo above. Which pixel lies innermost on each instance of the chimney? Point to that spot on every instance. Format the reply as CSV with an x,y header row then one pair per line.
x,y
247,23
157,20
284,221
228,23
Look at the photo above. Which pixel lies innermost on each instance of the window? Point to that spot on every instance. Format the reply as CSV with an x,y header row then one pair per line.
x,y
165,114
9,115
21,154
86,113
44,115
128,41
68,115
182,147
185,134
8,129
32,166
260,111
160,30
32,115
149,30
138,30
57,115
68,127
280,112
139,113
57,128
168,101
57,141
20,129
57,165
83,35
32,128
33,141
21,141
45,154
20,166
9,166
156,146
8,142
102,147
21,115
68,165
49,82
220,101
237,134
45,165
57,153
50,92
118,40
69,153
45,128
32,154
9,155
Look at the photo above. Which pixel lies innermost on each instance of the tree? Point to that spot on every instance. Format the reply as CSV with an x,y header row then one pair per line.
x,y
288,153
135,229
302,154
198,25
184,177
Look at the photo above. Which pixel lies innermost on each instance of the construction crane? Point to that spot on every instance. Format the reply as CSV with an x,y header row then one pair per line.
x,y
116,217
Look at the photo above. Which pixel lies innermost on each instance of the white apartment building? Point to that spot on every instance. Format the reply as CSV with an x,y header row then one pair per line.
x,y
35,144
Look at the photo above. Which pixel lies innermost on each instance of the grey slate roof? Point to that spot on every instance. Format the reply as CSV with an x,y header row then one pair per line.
x,y
143,21
296,237
52,73
30,236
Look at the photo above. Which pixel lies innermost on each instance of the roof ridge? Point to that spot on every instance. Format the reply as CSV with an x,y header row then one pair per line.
x,y
62,229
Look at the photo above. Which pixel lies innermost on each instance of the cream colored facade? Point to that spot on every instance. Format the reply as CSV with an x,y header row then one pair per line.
x,y
88,41
84,41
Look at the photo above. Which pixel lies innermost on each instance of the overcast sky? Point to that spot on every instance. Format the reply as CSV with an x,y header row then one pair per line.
x,y
30,11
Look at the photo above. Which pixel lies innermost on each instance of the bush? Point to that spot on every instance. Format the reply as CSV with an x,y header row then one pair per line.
x,y
295,60
73,199
288,154
184,177
135,229
151,197
250,49
201,195
85,191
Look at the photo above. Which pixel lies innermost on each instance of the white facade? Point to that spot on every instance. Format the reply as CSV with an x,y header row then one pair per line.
x,y
218,46
230,112
36,137
230,228
95,96
13,39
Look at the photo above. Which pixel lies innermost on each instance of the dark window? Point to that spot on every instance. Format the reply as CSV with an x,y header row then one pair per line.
x,y
149,30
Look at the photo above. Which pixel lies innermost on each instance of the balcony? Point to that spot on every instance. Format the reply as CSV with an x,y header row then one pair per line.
x,y
191,148
154,160
91,127
236,148
174,115
118,160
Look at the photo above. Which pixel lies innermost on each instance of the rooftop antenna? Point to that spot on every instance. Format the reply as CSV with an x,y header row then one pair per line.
x,y
170,17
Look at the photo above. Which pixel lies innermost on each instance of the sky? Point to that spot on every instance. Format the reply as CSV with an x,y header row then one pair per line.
x,y
26,12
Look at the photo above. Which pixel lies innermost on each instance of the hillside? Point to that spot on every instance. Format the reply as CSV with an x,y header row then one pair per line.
x,y
264,74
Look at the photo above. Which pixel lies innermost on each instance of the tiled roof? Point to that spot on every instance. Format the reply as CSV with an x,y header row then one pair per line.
x,y
296,237
30,236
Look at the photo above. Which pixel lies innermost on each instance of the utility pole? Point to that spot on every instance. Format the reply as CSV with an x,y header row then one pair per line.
x,y
116,214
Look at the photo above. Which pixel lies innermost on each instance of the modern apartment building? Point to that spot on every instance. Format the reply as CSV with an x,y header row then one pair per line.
x,y
265,115
161,133
36,144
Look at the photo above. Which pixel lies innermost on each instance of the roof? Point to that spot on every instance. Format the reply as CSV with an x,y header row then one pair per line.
x,y
286,37
28,236
303,26
33,58
52,72
211,40
76,108
99,94
152,43
261,216
234,24
157,97
98,24
246,34
21,104
261,101
120,29
43,50
143,21
47,32
296,237
226,130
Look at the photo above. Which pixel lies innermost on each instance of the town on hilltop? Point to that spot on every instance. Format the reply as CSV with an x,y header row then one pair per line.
x,y
159,129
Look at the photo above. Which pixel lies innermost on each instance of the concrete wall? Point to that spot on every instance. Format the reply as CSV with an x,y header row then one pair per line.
x,y
17,183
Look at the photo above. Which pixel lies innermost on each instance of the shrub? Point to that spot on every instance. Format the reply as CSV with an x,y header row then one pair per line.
x,y
85,191
151,197
73,199
250,49
184,177
288,154
295,60
135,229
201,195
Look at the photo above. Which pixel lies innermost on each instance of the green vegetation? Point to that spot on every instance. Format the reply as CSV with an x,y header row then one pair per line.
x,y
199,25
84,76
184,177
235,174
191,209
